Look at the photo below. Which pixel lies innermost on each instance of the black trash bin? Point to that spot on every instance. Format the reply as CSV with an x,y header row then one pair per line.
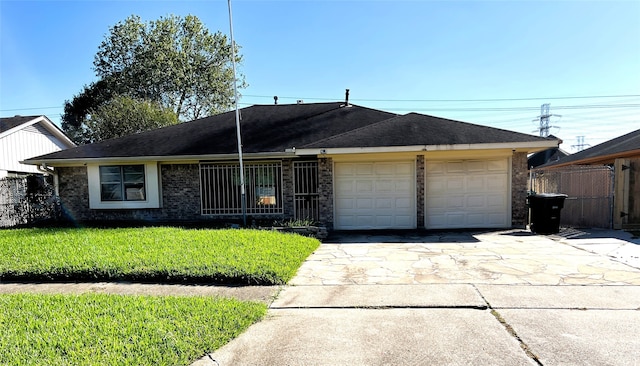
x,y
545,212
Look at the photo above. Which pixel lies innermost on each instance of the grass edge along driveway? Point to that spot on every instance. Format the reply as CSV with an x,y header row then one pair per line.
x,y
157,255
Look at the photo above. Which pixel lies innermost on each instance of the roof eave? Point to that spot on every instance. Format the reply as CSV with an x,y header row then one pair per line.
x,y
602,159
163,159
46,122
528,147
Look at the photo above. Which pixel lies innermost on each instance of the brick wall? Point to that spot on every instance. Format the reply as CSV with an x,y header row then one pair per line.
x,y
180,190
519,177
73,188
180,196
325,190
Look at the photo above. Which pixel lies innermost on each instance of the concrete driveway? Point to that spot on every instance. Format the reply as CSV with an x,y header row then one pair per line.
x,y
487,298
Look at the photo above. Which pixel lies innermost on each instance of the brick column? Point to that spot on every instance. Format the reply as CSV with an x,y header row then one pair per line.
x,y
519,176
325,191
287,189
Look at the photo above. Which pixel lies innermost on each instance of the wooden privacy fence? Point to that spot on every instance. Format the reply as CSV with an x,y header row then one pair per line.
x,y
589,189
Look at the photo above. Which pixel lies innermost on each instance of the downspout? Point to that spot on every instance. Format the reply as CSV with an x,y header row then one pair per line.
x,y
46,170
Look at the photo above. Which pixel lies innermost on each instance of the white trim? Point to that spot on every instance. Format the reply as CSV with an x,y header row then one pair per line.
x,y
518,146
152,188
46,123
160,159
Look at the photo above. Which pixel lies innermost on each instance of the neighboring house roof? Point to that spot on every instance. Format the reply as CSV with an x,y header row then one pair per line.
x,y
545,156
605,153
9,125
22,137
276,129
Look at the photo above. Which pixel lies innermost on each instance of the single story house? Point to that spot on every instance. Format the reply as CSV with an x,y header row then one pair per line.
x,y
345,166
623,154
22,137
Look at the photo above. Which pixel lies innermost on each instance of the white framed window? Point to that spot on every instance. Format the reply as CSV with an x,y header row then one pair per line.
x,y
221,191
122,183
123,186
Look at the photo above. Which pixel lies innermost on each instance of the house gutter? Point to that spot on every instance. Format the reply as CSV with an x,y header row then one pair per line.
x,y
602,159
515,146
46,170
179,158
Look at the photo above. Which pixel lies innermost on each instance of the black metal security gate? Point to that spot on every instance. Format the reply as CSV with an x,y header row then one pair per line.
x,y
306,198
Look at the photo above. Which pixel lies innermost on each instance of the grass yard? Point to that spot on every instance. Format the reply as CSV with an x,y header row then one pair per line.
x,y
160,254
98,329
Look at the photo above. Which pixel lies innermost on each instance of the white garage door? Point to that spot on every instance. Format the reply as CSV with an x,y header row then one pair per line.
x,y
467,194
375,195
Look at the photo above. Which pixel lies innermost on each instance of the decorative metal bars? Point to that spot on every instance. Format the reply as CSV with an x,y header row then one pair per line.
x,y
220,188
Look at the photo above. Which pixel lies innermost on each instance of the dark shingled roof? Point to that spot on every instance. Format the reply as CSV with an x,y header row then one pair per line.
x,y
265,128
419,129
545,156
276,128
7,123
619,145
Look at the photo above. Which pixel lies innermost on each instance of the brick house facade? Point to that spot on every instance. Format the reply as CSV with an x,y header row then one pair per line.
x,y
181,195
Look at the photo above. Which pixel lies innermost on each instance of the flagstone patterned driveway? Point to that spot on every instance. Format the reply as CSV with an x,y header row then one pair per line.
x,y
508,257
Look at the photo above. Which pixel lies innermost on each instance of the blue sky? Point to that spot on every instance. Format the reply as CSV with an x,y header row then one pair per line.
x,y
494,62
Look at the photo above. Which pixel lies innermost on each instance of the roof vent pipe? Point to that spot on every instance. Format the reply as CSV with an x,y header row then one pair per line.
x,y
300,101
346,98
275,100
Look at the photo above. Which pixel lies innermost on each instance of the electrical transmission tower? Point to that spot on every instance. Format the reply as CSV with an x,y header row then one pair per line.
x,y
580,145
544,119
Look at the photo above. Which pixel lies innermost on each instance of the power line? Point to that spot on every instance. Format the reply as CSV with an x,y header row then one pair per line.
x,y
458,100
28,109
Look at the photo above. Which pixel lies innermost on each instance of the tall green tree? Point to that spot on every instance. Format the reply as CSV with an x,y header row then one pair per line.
x,y
140,115
174,61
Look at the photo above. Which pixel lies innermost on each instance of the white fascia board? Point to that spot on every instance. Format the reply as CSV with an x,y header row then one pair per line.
x,y
20,127
161,159
518,146
46,122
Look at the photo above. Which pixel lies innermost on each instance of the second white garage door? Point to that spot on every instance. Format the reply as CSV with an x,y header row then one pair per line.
x,y
375,195
467,194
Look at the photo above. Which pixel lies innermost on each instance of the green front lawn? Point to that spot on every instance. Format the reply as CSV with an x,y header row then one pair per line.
x,y
98,329
158,254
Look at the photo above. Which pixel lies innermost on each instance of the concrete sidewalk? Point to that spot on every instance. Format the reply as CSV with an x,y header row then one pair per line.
x,y
499,298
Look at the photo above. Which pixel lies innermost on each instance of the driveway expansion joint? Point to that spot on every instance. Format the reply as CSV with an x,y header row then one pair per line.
x,y
381,307
509,329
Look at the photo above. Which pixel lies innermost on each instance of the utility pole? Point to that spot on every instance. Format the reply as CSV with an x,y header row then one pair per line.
x,y
580,145
243,194
544,119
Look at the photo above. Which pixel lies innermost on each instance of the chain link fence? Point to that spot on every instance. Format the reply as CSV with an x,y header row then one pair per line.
x,y
27,200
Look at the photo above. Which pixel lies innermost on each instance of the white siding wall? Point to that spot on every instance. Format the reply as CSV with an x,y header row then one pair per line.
x,y
26,143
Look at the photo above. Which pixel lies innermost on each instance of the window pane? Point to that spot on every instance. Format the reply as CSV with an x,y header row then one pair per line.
x,y
266,195
122,183
133,173
111,192
134,192
109,174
